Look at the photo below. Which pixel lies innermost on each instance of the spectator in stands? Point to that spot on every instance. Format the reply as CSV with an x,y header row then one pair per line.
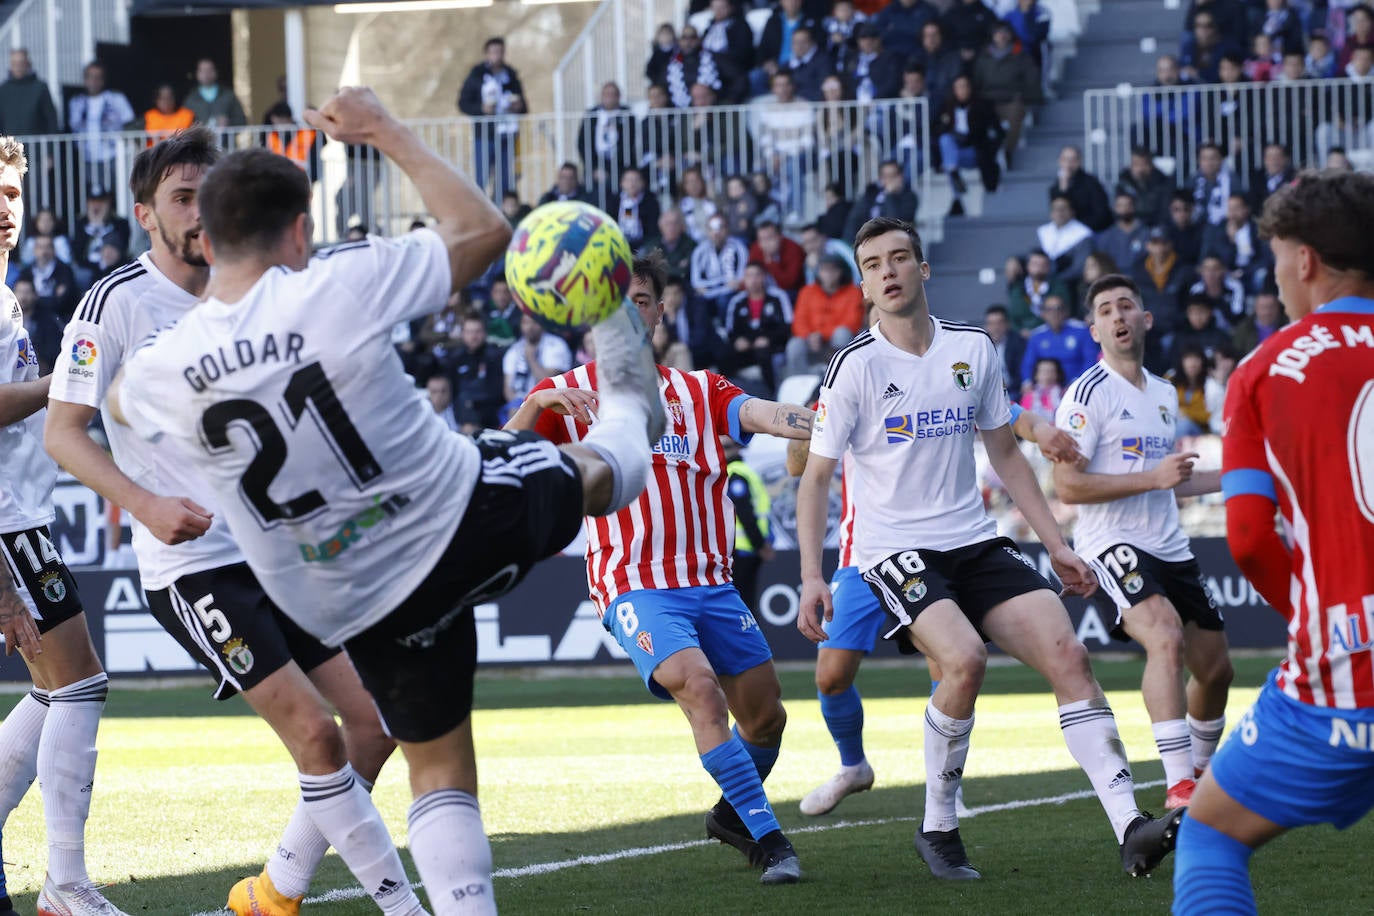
x,y
566,186
93,115
286,138
98,225
514,208
1010,82
1350,122
901,21
45,222
1010,347
531,359
663,50
839,137
1321,58
1185,233
636,210
705,132
1360,22
769,201
1292,68
1060,338
1189,375
1255,329
758,323
831,223
941,64
1124,240
1026,297
166,117
968,28
828,313
675,310
1166,118
111,259
1066,240
1236,243
1232,110
740,208
1337,160
889,197
696,204
1031,22
839,41
606,143
1200,329
809,64
816,244
26,108
1212,185
1283,25
1263,64
53,281
875,72
968,134
783,258
1084,191
1163,279
1046,388
42,323
775,43
211,102
1277,171
677,246
439,389
1224,293
1201,50
731,43
658,141
787,138
1224,361
439,334
717,271
690,66
906,126
503,314
475,365
493,92
1229,15
1147,185
1099,264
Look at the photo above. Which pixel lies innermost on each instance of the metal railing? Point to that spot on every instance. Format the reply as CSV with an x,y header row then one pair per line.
x,y
612,47
802,148
61,36
1309,117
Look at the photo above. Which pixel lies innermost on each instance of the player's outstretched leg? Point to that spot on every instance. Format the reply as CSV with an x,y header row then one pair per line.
x,y
843,711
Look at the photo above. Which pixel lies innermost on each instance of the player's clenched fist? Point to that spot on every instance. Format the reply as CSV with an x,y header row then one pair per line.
x,y
354,114
814,592
174,519
1174,469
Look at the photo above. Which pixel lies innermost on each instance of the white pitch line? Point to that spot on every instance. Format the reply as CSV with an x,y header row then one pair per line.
x,y
638,852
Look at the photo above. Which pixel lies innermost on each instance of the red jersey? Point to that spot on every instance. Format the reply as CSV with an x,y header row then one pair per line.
x,y
1299,429
680,532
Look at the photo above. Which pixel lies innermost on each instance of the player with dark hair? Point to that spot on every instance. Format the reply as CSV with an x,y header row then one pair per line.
x,y
198,586
1299,439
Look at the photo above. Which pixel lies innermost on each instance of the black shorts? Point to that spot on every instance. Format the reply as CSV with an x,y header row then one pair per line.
x,y
226,621
418,661
1130,575
977,578
45,583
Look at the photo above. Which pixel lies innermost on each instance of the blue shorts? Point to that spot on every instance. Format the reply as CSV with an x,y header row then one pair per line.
x,y
858,619
1280,761
652,624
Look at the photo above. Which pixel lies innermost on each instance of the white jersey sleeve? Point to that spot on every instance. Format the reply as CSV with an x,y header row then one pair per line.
x,y
837,407
27,474
94,341
1074,415
395,279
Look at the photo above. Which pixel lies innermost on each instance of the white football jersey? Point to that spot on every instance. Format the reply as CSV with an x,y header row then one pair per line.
x,y
27,474
1124,430
910,422
114,316
341,484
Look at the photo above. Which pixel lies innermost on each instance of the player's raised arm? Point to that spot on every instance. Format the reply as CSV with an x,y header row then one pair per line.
x,y
19,400
1174,472
790,421
472,227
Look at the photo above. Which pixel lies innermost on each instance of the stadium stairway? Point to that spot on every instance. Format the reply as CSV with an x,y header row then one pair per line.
x,y
1118,44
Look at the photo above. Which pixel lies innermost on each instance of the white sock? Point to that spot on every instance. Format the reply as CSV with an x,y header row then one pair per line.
x,y
66,773
946,749
1205,733
451,851
619,438
1090,732
1175,749
299,853
19,736
345,815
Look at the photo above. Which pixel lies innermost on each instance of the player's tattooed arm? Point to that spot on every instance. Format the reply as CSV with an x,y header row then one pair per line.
x,y
790,421
16,623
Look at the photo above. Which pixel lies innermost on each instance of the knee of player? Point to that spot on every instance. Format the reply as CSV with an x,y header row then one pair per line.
x,y
316,743
965,666
702,699
1217,673
1164,641
832,682
769,725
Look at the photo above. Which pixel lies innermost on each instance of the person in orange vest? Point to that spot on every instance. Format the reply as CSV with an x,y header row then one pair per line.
x,y
166,117
300,145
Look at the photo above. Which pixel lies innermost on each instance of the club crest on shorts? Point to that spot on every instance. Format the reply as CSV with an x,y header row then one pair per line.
x,y
239,656
1132,582
914,589
645,641
963,375
54,589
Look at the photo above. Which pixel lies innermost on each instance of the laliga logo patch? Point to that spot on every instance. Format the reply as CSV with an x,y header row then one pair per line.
x,y
645,641
1077,420
818,424
83,351
239,656
914,589
963,375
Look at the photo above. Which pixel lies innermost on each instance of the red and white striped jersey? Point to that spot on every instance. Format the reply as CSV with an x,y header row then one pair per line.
x,y
1299,429
847,519
680,532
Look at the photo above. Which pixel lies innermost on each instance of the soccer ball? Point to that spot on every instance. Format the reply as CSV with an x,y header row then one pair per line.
x,y
568,265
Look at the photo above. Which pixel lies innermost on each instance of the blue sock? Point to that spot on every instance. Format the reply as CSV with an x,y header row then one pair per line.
x,y
1211,873
738,778
763,757
844,716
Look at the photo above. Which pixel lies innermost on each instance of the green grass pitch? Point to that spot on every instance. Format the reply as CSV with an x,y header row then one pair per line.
x,y
190,795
